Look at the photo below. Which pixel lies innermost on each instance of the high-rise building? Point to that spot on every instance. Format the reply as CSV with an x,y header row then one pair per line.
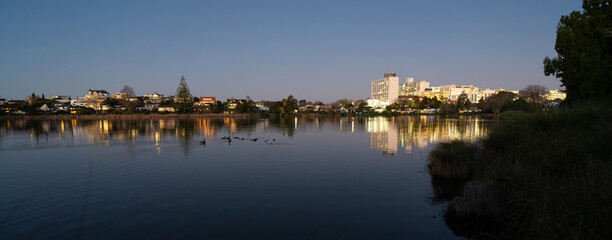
x,y
386,89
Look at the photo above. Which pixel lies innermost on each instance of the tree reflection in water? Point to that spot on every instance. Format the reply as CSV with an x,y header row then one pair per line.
x,y
386,133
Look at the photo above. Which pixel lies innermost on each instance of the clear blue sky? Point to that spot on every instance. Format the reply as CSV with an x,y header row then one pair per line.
x,y
315,50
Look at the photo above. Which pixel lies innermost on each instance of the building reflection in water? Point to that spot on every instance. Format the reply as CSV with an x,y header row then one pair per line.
x,y
383,134
387,134
419,131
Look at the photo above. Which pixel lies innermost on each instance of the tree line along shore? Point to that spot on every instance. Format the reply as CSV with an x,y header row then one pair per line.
x,y
127,116
531,99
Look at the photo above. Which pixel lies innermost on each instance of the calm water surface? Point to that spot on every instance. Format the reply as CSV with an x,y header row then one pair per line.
x,y
304,178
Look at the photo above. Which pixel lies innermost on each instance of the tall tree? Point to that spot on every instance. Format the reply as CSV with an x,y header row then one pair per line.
x,y
33,99
499,101
288,105
128,90
463,101
584,48
535,93
129,94
183,97
435,103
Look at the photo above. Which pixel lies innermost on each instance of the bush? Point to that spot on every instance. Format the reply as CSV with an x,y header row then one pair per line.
x,y
556,173
453,160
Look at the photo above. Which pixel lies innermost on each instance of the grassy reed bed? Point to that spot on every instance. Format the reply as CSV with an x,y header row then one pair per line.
x,y
547,176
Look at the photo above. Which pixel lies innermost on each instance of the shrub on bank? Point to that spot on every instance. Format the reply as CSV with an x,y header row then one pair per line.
x,y
453,160
541,176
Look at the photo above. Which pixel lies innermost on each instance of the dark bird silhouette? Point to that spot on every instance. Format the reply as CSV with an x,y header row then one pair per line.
x,y
203,142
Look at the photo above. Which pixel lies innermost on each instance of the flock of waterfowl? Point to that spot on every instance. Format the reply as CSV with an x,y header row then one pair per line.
x,y
229,139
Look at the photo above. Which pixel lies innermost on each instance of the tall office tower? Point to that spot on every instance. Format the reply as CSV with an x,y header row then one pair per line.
x,y
386,89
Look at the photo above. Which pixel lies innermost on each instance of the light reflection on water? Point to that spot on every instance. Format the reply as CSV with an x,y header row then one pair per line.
x,y
303,178
386,134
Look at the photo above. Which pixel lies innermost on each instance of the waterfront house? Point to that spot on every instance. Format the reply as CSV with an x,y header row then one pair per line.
x,y
148,107
153,98
62,106
80,102
7,109
120,95
80,110
96,94
45,108
261,107
206,101
165,109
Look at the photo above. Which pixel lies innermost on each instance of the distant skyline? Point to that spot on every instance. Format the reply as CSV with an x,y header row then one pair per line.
x,y
315,50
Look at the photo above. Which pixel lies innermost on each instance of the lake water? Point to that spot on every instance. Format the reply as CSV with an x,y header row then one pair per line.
x,y
303,178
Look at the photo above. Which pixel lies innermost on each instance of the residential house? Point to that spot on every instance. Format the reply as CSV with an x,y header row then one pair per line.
x,y
261,107
233,103
58,97
94,98
120,95
76,109
45,108
60,106
96,94
80,102
148,107
206,101
153,98
7,109
165,109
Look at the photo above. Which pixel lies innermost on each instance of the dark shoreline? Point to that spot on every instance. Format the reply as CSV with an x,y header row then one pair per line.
x,y
126,116
223,115
539,176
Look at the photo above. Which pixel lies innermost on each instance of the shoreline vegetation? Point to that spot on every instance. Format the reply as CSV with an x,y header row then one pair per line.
x,y
547,175
126,116
543,176
240,115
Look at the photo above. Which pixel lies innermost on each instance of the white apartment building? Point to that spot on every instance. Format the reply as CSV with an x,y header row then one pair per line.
x,y
452,91
412,88
386,89
483,94
555,94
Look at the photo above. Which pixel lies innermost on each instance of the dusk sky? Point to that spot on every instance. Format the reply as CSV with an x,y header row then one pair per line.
x,y
315,50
